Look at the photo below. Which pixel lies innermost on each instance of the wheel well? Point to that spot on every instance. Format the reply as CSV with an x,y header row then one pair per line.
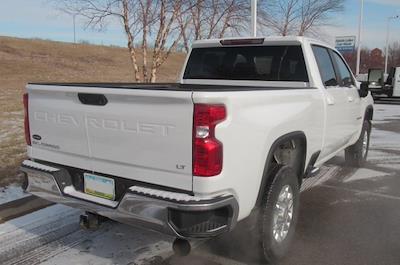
x,y
369,113
289,150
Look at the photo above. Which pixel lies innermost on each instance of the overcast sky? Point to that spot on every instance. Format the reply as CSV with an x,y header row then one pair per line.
x,y
37,18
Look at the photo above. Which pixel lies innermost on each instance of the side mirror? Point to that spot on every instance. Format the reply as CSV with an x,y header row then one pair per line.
x,y
364,88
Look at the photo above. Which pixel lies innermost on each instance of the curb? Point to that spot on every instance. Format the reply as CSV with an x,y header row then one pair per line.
x,y
20,207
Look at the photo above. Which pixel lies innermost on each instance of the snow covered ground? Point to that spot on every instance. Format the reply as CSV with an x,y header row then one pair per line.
x,y
12,144
11,193
385,137
385,113
53,236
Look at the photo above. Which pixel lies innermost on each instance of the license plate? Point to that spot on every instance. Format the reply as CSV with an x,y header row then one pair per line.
x,y
99,186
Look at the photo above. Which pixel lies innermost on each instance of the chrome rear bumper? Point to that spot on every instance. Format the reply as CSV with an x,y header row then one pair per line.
x,y
167,212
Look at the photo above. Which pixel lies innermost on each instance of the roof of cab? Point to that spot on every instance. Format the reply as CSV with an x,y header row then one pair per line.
x,y
269,39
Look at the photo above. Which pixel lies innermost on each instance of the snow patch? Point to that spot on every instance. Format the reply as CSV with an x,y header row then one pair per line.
x,y
386,112
11,193
363,173
38,219
392,164
384,139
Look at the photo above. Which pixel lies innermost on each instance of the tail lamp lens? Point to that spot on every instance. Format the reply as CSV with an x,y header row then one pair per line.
x,y
207,150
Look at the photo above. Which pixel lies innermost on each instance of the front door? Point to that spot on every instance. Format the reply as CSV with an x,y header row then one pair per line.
x,y
347,82
336,126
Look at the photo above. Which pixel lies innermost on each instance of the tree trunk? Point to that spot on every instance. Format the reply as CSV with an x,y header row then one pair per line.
x,y
144,51
131,47
153,75
183,27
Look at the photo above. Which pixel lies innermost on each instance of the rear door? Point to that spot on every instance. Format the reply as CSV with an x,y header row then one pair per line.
x,y
139,134
336,127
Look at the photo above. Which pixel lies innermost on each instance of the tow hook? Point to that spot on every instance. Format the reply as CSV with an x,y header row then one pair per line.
x,y
91,221
181,247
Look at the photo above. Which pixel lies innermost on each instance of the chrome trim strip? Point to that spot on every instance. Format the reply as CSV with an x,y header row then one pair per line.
x,y
32,164
71,191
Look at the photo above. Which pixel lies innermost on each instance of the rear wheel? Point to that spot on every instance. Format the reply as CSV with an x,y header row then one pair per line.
x,y
277,216
356,155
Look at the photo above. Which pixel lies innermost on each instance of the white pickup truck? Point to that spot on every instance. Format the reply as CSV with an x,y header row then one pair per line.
x,y
247,121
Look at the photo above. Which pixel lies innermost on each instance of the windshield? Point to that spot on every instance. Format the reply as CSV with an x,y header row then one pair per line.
x,y
266,63
375,75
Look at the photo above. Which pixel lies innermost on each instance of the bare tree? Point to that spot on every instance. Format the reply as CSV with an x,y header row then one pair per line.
x,y
370,58
140,18
316,13
146,19
166,32
161,25
280,16
127,21
211,19
297,17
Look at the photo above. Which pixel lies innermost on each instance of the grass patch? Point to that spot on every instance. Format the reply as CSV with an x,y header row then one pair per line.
x,y
33,60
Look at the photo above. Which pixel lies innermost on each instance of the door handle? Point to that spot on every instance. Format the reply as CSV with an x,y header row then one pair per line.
x,y
350,99
92,99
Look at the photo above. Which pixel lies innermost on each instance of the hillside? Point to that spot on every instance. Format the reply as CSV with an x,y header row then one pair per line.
x,y
26,60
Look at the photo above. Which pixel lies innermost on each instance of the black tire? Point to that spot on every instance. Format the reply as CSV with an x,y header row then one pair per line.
x,y
270,247
354,154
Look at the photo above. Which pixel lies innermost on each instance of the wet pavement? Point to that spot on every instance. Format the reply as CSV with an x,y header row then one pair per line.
x,y
339,223
347,216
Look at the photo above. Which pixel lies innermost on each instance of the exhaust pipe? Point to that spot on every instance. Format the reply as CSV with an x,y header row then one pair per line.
x,y
181,247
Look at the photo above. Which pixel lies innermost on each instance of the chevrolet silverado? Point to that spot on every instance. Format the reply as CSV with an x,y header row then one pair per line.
x,y
247,121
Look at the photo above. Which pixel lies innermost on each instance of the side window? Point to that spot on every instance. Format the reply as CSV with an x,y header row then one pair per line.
x,y
345,74
325,66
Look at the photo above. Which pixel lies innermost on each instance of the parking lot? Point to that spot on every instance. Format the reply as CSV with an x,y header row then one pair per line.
x,y
347,216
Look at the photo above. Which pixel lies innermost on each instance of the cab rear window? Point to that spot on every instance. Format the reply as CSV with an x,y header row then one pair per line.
x,y
263,63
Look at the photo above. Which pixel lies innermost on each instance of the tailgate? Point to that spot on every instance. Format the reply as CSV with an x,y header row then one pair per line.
x,y
143,135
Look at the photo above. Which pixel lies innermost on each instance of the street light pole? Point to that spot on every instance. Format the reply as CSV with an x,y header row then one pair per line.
x,y
73,19
387,42
360,22
254,18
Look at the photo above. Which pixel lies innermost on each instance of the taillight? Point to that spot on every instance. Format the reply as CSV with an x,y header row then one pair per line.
x,y
26,119
207,150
